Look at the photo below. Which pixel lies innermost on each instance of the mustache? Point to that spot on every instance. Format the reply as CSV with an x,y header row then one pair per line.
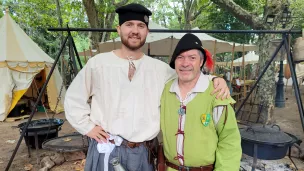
x,y
185,68
135,35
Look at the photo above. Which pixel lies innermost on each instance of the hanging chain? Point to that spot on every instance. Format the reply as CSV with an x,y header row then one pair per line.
x,y
58,99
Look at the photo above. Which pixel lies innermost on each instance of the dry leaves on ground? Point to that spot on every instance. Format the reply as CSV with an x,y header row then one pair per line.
x,y
67,139
80,165
28,167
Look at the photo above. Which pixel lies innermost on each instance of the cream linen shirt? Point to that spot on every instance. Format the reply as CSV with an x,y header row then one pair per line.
x,y
123,108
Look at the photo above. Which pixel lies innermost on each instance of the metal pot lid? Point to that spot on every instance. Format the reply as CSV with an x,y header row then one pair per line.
x,y
67,143
265,134
41,124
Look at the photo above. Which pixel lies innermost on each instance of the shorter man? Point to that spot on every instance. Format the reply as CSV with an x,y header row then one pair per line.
x,y
200,132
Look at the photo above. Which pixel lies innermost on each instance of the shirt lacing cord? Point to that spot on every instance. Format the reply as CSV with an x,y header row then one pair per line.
x,y
179,157
180,132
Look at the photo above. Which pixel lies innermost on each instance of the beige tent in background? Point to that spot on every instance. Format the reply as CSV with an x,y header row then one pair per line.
x,y
21,60
249,58
163,44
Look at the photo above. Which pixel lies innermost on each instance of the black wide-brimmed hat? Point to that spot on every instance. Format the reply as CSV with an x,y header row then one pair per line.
x,y
187,42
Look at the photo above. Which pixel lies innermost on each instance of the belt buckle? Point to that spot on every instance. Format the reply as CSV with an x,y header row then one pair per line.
x,y
131,144
181,168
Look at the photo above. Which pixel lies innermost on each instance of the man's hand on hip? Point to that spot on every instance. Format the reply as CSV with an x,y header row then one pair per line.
x,y
98,134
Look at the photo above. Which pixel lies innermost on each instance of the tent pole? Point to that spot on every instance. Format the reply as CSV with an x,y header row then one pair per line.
x,y
244,75
214,57
148,49
36,104
114,45
232,58
171,49
85,56
90,48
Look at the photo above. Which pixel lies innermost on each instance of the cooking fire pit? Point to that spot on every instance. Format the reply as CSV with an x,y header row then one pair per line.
x,y
39,131
266,142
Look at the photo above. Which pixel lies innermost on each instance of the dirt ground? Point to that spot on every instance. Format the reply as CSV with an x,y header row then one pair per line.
x,y
287,118
21,158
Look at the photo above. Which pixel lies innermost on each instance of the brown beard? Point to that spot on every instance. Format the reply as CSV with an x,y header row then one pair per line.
x,y
126,43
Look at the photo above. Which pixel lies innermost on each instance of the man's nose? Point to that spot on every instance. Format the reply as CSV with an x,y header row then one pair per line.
x,y
185,62
135,29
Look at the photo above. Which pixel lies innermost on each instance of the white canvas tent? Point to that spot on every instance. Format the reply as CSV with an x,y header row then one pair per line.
x,y
163,44
249,58
21,60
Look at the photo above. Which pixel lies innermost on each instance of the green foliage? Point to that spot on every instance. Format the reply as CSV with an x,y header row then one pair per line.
x,y
296,8
219,19
164,15
36,16
81,42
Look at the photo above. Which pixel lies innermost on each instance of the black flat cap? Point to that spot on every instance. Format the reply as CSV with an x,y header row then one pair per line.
x,y
133,12
187,42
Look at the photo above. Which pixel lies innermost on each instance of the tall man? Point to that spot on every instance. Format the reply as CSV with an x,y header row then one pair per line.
x,y
200,133
125,86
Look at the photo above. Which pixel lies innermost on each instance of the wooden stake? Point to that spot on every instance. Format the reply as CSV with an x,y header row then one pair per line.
x,y
232,58
98,48
214,56
85,56
171,49
244,77
91,51
114,45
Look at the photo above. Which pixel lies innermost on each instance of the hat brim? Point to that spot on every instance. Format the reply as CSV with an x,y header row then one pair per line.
x,y
174,56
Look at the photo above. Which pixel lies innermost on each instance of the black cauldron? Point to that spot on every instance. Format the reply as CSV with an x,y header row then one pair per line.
x,y
44,129
266,142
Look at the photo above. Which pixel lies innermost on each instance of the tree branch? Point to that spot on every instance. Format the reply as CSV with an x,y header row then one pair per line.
x,y
121,3
179,18
240,13
199,11
175,10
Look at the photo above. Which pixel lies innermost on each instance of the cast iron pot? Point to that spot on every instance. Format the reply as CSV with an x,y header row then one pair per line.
x,y
272,143
42,124
44,128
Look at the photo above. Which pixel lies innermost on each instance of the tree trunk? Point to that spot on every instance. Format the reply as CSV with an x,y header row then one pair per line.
x,y
92,14
191,12
59,17
187,25
109,22
109,19
267,86
61,37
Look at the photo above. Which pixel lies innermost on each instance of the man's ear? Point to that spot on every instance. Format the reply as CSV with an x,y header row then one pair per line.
x,y
201,64
118,29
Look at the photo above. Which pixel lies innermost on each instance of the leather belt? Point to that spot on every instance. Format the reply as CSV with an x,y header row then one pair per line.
x,y
129,144
185,168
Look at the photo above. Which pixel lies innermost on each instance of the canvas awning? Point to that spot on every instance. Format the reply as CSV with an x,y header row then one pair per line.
x,y
163,44
249,58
